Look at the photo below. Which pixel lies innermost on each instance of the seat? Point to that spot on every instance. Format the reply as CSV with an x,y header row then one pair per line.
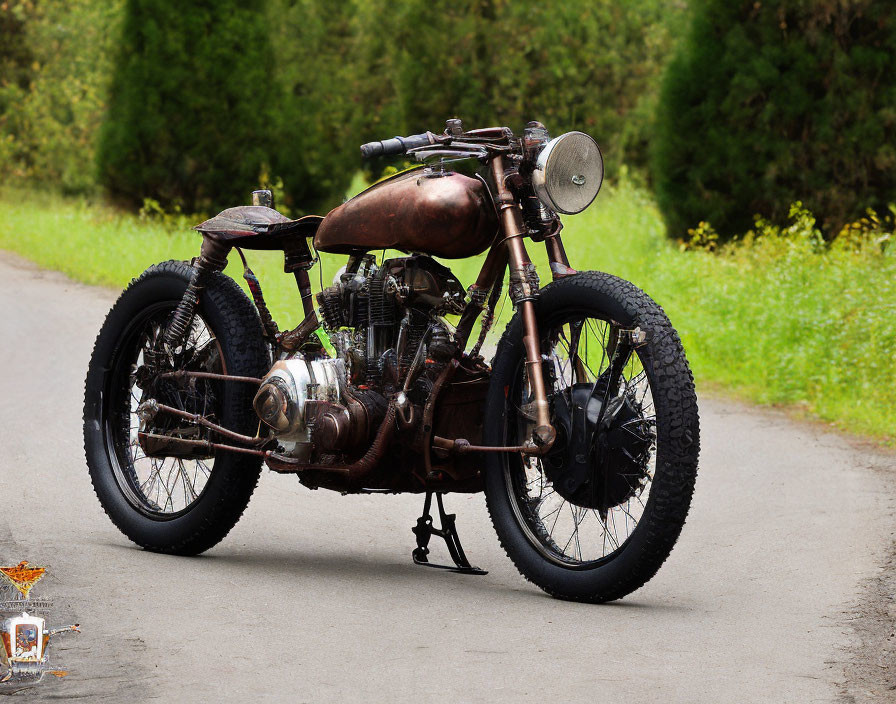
x,y
257,227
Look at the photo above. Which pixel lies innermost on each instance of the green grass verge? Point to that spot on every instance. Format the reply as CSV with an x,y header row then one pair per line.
x,y
773,321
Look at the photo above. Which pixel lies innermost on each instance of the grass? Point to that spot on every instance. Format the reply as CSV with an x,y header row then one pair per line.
x,y
775,320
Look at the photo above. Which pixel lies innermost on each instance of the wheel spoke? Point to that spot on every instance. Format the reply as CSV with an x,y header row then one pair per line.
x,y
571,528
166,485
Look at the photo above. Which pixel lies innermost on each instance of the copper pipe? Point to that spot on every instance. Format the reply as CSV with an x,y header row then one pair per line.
x,y
429,411
182,373
355,473
557,258
240,450
556,251
492,268
494,264
197,419
303,281
544,433
462,446
293,339
200,445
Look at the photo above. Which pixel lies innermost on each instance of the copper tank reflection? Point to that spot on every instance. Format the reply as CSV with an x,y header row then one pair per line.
x,y
450,216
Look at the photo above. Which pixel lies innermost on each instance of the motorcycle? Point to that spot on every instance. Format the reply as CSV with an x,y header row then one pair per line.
x,y
582,430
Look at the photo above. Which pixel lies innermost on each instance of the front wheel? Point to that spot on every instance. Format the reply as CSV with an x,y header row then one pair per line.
x,y
595,517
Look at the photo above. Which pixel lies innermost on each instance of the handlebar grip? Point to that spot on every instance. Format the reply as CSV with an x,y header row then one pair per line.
x,y
396,145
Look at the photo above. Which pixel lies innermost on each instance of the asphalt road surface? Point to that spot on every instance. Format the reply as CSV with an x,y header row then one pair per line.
x,y
776,591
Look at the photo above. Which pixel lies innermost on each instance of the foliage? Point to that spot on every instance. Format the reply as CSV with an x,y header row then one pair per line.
x,y
704,236
190,104
55,59
317,76
872,231
592,66
774,317
15,53
208,100
771,102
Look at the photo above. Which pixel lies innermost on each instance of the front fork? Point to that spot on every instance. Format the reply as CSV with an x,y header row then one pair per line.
x,y
523,291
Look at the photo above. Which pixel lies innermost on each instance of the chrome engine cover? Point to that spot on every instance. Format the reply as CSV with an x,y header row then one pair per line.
x,y
285,390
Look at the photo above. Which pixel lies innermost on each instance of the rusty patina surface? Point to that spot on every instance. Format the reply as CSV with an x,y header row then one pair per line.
x,y
257,227
450,216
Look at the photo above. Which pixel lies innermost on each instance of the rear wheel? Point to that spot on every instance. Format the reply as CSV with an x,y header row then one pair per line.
x,y
176,504
594,518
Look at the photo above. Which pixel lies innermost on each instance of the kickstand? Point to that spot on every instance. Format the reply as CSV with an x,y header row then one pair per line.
x,y
424,530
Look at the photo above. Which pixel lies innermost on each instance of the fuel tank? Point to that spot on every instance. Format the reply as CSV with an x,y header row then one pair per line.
x,y
450,216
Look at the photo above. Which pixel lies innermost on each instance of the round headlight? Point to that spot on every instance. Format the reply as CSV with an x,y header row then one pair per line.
x,y
568,173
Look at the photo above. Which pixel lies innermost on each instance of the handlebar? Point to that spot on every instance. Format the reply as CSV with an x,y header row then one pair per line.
x,y
396,145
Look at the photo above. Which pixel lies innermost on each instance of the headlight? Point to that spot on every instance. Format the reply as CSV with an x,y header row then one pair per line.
x,y
568,173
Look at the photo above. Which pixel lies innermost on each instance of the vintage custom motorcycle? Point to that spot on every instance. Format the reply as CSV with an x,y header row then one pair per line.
x,y
582,430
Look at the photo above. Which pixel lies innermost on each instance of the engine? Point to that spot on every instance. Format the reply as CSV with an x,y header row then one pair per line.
x,y
385,324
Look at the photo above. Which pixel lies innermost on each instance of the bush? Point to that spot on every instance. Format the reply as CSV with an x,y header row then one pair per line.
x,y
55,61
592,66
203,101
189,119
317,75
767,103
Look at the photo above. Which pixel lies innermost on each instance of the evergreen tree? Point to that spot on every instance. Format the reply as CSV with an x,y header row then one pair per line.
x,y
190,105
590,65
319,77
775,101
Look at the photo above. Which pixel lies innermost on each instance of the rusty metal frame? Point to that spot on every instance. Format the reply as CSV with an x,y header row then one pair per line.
x,y
206,445
152,407
507,251
185,374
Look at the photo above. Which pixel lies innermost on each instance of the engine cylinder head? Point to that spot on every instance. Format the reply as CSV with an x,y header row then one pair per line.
x,y
329,302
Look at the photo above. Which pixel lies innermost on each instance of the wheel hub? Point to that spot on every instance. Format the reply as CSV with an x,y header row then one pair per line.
x,y
593,467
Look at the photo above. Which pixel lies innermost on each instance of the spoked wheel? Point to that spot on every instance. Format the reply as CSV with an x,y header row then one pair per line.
x,y
595,517
163,487
578,519
163,499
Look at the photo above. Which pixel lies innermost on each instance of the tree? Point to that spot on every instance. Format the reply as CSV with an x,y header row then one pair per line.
x,y
587,65
55,58
190,110
319,76
771,102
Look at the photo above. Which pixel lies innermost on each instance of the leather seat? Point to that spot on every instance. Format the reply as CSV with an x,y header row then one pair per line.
x,y
257,227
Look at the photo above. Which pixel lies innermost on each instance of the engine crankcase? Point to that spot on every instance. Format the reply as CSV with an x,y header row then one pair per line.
x,y
297,394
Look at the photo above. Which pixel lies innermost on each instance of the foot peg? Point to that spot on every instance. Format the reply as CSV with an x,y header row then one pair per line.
x,y
424,530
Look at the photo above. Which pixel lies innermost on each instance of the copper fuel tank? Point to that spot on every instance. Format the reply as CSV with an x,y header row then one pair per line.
x,y
449,215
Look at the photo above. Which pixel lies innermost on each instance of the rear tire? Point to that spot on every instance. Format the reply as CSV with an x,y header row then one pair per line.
x,y
636,559
232,319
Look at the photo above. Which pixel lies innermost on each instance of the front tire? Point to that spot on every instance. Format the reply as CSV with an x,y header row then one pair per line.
x,y
660,468
160,503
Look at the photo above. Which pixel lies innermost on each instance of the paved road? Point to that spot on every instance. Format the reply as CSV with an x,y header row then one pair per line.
x,y
313,597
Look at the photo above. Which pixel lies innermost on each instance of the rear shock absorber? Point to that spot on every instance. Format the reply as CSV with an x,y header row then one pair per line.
x,y
212,258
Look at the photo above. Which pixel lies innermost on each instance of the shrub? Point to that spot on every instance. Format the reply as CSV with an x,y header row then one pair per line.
x,y
771,102
55,61
592,66
318,76
192,104
189,117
